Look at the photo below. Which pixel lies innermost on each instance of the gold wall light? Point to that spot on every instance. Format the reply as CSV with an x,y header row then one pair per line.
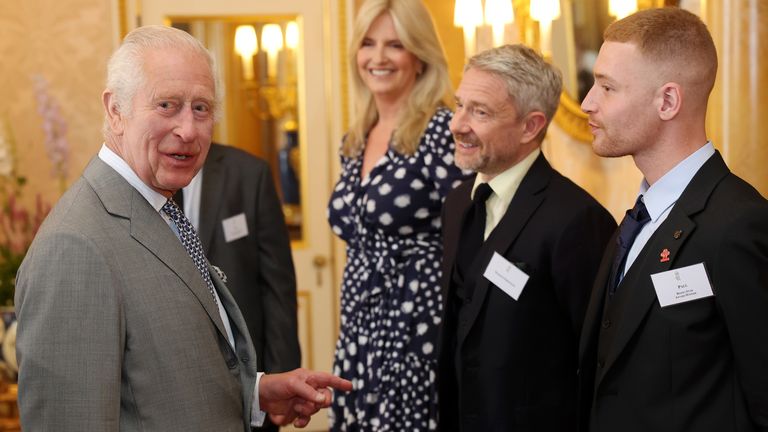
x,y
545,11
498,13
246,46
271,43
468,15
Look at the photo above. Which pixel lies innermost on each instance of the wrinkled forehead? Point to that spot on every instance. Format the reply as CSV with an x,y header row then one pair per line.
x,y
484,88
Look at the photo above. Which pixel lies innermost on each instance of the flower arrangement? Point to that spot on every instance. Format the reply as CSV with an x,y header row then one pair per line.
x,y
18,225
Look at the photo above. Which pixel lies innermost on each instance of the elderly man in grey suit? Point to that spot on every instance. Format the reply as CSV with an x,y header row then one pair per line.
x,y
123,326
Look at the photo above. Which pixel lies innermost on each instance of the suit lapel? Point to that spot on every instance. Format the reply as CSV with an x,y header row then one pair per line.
x,y
214,178
670,237
149,229
527,199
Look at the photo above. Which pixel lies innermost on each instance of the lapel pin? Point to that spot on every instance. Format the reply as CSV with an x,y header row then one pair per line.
x,y
664,255
677,234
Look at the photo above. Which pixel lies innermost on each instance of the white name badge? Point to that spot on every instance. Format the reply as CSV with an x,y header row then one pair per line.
x,y
506,276
234,227
682,285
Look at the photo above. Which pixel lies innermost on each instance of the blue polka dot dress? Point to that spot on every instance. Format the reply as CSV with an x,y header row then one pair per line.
x,y
390,295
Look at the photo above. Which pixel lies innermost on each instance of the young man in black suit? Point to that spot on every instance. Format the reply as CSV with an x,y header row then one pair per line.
x,y
674,338
522,246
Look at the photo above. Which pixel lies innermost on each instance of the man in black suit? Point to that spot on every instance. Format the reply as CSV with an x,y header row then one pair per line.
x,y
237,213
675,334
518,267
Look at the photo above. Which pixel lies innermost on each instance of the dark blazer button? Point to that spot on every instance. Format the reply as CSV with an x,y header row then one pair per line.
x,y
232,363
600,364
606,323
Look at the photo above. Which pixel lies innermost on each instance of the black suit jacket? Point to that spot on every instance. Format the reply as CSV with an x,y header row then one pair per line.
x,y
698,366
259,267
518,359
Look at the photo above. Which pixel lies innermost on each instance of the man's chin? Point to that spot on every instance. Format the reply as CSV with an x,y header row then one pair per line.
x,y
603,149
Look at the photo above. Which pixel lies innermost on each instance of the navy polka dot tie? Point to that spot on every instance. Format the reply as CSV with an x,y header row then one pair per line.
x,y
191,242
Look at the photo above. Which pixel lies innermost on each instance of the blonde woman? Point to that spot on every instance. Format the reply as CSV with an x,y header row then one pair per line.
x,y
397,166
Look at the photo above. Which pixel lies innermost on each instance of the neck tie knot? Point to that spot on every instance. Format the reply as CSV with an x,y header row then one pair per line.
x,y
482,192
629,228
191,242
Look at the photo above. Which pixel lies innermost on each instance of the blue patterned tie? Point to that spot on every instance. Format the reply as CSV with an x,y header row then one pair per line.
x,y
191,242
628,229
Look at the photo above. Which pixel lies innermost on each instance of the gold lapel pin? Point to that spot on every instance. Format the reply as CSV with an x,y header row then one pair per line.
x,y
677,234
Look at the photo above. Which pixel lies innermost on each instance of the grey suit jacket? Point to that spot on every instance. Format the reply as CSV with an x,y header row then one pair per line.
x,y
258,266
117,331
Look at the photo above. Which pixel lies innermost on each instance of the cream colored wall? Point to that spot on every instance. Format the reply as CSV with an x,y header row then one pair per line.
x,y
67,43
737,121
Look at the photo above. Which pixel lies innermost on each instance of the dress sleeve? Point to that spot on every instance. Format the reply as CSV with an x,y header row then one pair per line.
x,y
438,148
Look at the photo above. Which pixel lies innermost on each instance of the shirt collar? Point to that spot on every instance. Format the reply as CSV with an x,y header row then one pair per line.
x,y
505,184
667,190
155,199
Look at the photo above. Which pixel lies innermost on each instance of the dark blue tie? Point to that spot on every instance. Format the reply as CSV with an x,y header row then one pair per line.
x,y
628,229
191,242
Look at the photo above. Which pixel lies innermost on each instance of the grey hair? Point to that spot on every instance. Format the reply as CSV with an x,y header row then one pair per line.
x,y
125,70
532,83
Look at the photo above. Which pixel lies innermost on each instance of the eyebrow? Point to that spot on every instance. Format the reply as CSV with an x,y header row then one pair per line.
x,y
604,77
473,103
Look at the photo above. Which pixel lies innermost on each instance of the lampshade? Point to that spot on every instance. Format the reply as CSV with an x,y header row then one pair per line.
x,y
271,38
468,13
245,41
499,11
545,10
621,8
292,35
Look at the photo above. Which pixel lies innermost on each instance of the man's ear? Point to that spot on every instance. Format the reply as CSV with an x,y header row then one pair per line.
x,y
112,110
670,100
534,122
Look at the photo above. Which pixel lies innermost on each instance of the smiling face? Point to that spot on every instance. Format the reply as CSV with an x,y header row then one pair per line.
x,y
167,134
385,66
623,103
490,134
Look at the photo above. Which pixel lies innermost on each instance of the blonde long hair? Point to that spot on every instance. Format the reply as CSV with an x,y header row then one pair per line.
x,y
416,30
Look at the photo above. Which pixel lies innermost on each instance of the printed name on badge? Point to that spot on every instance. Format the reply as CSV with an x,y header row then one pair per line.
x,y
506,276
682,285
235,227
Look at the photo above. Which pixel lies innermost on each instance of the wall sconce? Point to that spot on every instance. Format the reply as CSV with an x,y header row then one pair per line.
x,y
271,42
498,13
621,8
246,46
545,11
292,35
468,15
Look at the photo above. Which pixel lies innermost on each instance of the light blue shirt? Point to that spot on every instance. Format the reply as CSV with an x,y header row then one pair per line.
x,y
661,197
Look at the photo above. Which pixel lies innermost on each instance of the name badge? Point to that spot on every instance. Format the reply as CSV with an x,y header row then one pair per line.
x,y
682,285
506,276
235,227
